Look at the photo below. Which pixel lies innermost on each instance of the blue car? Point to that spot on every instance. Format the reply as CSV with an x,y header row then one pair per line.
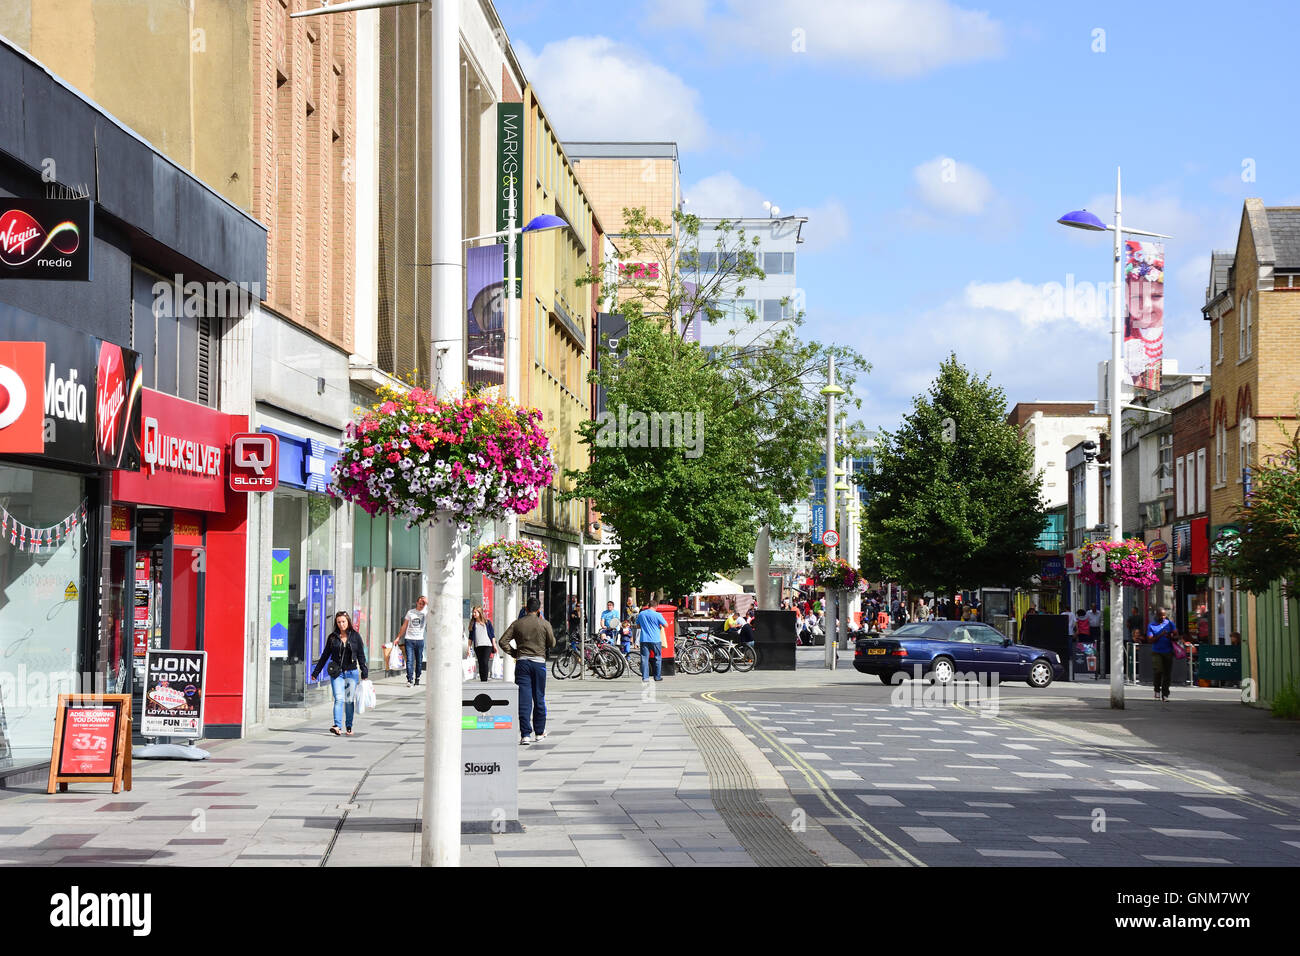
x,y
944,649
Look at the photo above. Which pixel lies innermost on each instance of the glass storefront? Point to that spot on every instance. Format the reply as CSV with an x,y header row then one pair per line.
x,y
386,578
43,597
303,541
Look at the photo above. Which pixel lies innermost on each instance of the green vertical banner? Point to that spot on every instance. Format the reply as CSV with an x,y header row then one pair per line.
x,y
510,170
279,603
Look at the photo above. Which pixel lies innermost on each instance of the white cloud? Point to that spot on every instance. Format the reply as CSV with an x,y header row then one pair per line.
x,y
948,186
828,226
891,38
594,88
722,194
1084,303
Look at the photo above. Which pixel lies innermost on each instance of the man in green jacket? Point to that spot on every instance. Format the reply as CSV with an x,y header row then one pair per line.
x,y
527,640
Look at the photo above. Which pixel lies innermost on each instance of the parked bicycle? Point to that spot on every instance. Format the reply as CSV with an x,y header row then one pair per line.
x,y
600,659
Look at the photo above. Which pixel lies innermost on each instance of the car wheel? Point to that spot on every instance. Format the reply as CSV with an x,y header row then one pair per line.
x,y
942,671
886,678
1040,673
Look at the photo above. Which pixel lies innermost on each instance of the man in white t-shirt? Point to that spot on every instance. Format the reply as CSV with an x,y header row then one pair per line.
x,y
413,631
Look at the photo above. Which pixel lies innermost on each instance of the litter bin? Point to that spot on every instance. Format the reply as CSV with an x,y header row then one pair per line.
x,y
774,640
489,742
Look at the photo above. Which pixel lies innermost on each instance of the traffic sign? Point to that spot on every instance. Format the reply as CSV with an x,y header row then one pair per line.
x,y
830,538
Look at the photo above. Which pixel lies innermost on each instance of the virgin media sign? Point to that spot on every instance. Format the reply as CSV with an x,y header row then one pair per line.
x,y
46,238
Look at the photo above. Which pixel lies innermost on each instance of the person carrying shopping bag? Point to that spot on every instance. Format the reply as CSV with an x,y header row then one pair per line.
x,y
345,655
411,639
482,640
1163,636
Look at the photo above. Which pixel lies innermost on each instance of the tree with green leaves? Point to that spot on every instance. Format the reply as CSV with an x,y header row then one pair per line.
x,y
1268,548
679,518
955,499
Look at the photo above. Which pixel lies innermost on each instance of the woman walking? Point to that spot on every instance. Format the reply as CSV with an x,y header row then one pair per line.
x,y
1162,635
345,653
482,639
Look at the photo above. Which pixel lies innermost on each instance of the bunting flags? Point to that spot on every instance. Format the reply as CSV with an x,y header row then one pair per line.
x,y
41,540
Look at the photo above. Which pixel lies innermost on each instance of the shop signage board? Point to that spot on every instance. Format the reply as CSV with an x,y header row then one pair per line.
x,y
510,142
183,456
47,239
92,741
174,685
1218,662
88,397
254,461
22,390
280,604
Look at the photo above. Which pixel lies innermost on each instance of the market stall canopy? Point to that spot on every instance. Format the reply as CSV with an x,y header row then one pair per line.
x,y
720,586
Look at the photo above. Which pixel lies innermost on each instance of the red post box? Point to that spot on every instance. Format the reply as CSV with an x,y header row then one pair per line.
x,y
669,612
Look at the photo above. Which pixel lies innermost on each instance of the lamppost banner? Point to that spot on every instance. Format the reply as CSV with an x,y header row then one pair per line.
x,y
1144,330
485,332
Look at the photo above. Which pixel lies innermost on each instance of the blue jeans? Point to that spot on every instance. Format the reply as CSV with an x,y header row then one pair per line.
x,y
345,690
414,657
530,678
649,651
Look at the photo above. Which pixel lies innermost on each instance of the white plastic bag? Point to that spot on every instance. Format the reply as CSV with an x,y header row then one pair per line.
x,y
498,667
366,699
469,668
395,657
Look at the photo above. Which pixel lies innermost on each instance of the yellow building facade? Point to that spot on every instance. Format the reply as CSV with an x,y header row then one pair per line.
x,y
556,323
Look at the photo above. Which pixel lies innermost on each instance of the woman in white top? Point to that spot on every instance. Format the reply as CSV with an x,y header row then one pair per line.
x,y
482,641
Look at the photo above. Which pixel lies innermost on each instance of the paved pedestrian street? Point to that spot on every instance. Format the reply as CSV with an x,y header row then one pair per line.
x,y
804,768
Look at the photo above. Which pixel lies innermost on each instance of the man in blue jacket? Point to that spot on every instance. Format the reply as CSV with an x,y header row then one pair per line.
x,y
651,624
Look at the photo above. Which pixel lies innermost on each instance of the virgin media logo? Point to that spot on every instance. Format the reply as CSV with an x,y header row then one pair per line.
x,y
22,239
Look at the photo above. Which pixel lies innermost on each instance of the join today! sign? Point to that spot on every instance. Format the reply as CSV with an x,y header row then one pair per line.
x,y
174,682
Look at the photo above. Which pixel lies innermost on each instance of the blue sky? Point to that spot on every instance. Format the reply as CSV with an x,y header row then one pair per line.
x,y
933,144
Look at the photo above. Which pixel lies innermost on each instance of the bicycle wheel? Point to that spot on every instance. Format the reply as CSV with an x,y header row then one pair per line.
x,y
633,659
622,663
566,665
605,663
694,660
743,658
721,658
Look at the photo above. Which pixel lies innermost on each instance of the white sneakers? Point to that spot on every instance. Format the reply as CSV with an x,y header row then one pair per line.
x,y
525,741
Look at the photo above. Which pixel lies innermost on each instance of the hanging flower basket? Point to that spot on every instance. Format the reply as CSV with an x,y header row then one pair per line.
x,y
836,575
510,562
423,459
1129,562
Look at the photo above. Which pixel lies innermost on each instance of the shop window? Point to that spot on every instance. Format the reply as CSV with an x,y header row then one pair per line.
x,y
43,596
173,330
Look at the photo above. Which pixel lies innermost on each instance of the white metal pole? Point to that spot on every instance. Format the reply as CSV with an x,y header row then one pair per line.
x,y
762,564
440,828
1116,466
513,363
828,624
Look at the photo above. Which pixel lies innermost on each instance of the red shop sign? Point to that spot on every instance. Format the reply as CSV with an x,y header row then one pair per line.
x,y
183,456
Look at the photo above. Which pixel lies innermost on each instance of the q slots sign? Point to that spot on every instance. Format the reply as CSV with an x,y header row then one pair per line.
x,y
46,239
254,462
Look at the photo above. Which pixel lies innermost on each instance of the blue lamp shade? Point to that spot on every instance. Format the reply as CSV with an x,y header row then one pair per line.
x,y
544,221
1082,219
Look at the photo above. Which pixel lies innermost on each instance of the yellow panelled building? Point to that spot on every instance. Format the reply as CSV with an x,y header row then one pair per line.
x,y
556,330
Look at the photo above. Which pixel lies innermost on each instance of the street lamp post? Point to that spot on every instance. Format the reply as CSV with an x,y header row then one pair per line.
x,y
830,390
1082,219
514,364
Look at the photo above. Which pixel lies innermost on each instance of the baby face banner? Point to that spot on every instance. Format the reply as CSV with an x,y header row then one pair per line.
x,y
1144,329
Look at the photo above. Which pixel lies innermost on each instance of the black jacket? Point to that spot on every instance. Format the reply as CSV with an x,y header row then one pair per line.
x,y
334,652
